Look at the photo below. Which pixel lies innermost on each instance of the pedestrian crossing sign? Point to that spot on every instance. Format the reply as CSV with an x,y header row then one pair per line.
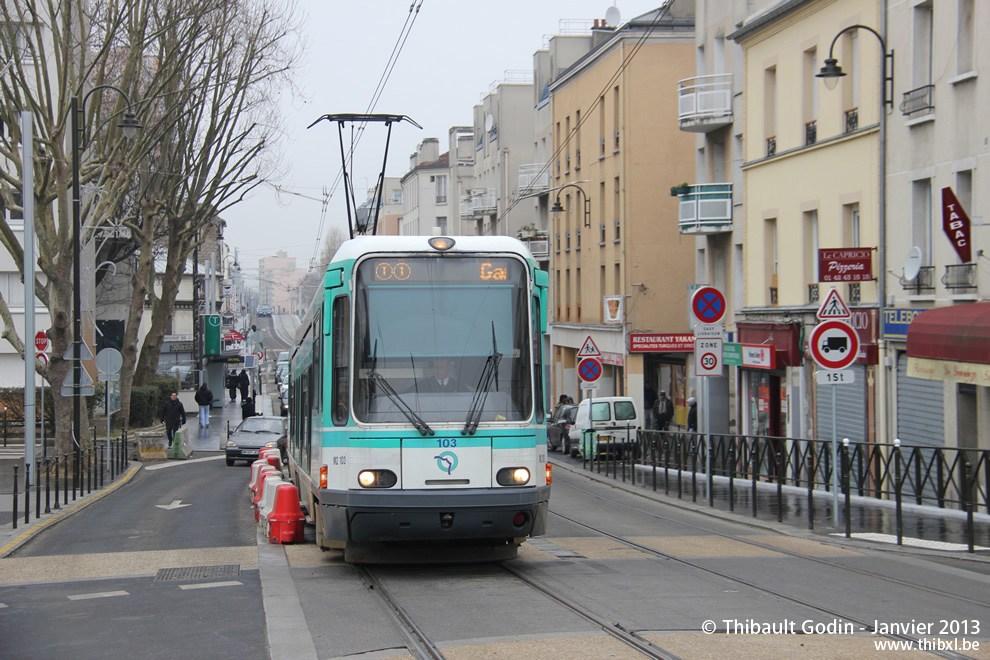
x,y
589,349
833,307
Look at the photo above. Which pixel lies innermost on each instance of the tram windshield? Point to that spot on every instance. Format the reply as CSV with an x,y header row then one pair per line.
x,y
442,340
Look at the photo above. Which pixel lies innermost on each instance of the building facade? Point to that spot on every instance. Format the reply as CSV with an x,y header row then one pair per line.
x,y
620,268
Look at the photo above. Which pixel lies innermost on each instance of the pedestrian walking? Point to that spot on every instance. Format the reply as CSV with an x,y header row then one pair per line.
x,y
204,397
174,416
692,421
247,407
244,382
649,400
663,412
232,385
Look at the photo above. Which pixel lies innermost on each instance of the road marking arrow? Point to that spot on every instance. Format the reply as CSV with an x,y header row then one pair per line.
x,y
176,504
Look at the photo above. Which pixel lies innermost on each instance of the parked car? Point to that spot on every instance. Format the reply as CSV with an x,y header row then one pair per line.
x,y
615,421
558,428
264,310
283,398
252,435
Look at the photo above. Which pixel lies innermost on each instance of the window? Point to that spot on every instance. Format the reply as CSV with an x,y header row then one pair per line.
x,y
964,190
340,338
770,109
615,117
577,139
850,225
441,181
442,225
810,99
850,83
811,246
601,126
921,218
770,258
964,38
19,40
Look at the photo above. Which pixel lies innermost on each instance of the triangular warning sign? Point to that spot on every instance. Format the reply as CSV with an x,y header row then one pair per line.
x,y
833,307
589,349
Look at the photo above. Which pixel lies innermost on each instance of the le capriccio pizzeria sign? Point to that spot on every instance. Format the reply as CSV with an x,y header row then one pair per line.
x,y
845,265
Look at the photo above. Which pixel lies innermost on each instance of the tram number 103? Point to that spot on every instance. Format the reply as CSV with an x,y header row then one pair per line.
x,y
446,443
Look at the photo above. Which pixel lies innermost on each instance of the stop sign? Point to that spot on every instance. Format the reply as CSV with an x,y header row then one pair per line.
x,y
41,341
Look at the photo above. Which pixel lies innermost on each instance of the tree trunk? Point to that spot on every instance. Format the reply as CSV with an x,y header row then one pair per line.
x,y
140,279
161,311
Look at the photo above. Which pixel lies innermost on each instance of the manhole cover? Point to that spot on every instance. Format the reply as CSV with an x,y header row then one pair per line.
x,y
198,572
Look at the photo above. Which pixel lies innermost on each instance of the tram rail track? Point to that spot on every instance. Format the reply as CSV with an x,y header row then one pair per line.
x,y
754,585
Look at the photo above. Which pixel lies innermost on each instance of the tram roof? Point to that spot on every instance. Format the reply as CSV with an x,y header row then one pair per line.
x,y
357,247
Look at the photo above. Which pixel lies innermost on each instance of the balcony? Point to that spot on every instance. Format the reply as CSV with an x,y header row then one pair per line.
x,y
852,119
960,276
704,103
923,283
704,208
918,100
533,178
483,203
810,132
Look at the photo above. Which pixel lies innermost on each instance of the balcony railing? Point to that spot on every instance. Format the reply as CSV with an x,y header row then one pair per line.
x,y
483,203
810,132
812,293
704,103
771,146
852,119
705,208
924,282
918,100
534,177
960,276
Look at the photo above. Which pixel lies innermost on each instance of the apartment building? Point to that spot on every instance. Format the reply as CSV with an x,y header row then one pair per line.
x,y
812,181
424,191
936,320
278,283
620,268
710,104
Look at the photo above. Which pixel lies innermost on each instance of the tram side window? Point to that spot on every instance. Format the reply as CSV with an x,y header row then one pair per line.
x,y
537,349
318,363
340,359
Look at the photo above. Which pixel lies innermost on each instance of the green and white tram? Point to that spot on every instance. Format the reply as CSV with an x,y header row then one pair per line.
x,y
417,398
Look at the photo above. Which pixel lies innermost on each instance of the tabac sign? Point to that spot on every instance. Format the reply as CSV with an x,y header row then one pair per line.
x,y
955,224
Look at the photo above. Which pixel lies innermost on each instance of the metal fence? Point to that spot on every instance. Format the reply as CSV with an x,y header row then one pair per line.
x,y
944,477
60,475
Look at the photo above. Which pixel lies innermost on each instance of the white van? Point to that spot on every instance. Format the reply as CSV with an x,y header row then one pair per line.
x,y
615,420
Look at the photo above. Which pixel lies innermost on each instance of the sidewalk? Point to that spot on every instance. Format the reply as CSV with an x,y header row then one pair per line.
x,y
203,440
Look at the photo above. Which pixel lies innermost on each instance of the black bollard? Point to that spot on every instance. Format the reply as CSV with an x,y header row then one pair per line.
x,y
846,486
968,499
27,493
898,483
56,507
48,487
15,497
780,486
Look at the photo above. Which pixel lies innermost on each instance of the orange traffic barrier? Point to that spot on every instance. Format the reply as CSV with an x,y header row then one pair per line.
x,y
285,520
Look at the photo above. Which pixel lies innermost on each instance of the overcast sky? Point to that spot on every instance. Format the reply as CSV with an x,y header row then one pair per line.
x,y
455,50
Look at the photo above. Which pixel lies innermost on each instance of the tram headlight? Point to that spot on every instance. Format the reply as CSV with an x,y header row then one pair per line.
x,y
514,476
377,478
441,243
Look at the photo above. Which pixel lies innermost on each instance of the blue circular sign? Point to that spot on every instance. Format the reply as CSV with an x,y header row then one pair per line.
x,y
708,304
447,461
590,369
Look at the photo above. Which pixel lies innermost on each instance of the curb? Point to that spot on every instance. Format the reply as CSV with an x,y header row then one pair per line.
x,y
34,529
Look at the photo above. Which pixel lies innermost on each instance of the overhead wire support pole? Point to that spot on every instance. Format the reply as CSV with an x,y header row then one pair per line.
x,y
343,118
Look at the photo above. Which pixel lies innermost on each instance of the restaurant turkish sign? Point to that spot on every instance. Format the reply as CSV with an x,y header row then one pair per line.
x,y
661,343
845,265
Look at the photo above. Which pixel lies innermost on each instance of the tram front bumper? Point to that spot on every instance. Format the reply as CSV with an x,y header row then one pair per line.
x,y
432,515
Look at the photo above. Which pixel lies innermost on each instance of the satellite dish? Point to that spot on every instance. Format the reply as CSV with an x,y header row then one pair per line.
x,y
612,16
489,122
912,264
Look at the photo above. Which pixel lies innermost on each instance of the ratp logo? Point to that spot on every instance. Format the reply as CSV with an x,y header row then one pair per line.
x,y
447,461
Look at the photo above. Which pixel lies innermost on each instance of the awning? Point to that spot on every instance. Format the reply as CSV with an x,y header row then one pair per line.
x,y
960,333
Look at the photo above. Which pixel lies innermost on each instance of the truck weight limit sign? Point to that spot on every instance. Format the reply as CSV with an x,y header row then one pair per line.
x,y
834,344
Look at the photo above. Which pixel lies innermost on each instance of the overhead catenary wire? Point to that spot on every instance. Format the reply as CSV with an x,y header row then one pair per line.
x,y
400,43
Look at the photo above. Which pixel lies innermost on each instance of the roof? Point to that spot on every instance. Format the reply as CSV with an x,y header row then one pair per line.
x,y
357,247
767,17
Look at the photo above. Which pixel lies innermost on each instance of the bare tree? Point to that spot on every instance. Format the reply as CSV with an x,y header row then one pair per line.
x,y
200,76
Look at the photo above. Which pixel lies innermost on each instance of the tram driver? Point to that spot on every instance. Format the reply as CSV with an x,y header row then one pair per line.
x,y
442,380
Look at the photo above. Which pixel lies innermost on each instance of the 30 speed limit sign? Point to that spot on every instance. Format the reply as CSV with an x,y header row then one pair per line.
x,y
708,357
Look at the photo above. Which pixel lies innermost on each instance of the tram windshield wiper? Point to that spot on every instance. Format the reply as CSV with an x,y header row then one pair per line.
x,y
418,422
488,374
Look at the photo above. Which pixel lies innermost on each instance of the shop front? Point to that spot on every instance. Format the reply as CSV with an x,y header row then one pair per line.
x,y
768,351
665,357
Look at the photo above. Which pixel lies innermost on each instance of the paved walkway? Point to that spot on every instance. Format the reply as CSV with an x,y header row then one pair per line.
x,y
205,439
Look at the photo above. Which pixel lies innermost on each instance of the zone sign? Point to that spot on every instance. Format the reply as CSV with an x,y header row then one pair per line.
x,y
708,356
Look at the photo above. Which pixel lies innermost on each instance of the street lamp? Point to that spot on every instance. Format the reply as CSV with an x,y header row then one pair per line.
x,y
130,126
830,74
557,208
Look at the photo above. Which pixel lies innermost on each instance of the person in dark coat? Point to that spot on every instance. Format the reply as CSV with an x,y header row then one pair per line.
x,y
692,420
243,382
204,397
174,416
442,380
232,385
663,412
247,407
